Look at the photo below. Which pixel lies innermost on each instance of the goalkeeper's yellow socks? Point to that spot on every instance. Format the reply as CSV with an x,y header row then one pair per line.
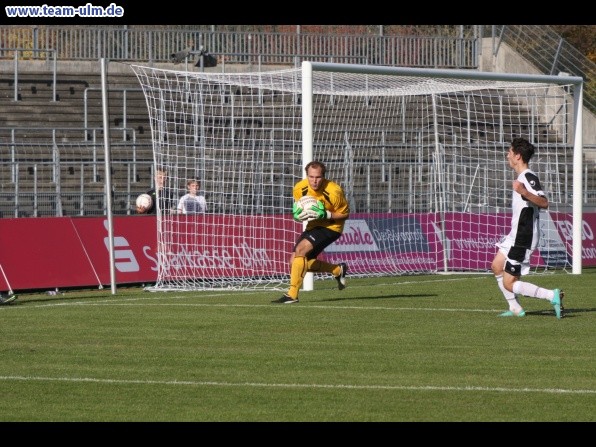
x,y
297,272
314,265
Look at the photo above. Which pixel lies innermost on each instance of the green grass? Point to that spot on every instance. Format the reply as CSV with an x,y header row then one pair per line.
x,y
404,349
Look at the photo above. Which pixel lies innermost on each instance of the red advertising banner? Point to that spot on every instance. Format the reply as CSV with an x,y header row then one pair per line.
x,y
388,243
219,245
62,252
470,239
564,226
135,245
43,253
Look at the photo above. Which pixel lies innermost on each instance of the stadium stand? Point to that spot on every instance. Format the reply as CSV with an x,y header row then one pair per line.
x,y
48,115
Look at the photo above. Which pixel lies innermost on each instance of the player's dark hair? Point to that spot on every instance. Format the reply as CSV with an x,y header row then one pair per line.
x,y
524,148
317,165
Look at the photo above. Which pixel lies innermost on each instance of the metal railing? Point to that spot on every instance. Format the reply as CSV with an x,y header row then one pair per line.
x,y
34,197
452,46
159,44
48,54
21,152
548,52
123,90
540,45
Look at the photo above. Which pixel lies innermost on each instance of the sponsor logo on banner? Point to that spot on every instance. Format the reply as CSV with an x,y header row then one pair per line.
x,y
551,246
401,235
565,226
124,257
391,234
356,237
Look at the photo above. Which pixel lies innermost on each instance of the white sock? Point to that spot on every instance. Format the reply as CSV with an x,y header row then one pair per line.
x,y
531,290
506,293
514,305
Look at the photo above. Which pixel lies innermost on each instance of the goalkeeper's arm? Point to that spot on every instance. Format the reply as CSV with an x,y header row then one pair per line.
x,y
320,212
296,210
317,211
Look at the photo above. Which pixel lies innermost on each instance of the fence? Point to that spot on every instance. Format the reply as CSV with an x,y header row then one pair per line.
x,y
452,46
252,49
159,44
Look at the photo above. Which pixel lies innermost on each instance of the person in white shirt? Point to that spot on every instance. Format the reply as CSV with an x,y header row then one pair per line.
x,y
514,250
192,203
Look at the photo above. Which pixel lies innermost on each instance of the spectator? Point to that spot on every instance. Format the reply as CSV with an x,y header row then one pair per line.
x,y
168,204
191,203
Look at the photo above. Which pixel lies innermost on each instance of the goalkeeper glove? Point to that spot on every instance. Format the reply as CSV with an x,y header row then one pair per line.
x,y
296,212
307,215
320,211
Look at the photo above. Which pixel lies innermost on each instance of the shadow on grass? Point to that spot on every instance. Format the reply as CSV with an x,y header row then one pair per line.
x,y
380,297
567,313
60,298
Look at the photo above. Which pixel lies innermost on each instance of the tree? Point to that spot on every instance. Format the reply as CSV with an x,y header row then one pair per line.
x,y
582,37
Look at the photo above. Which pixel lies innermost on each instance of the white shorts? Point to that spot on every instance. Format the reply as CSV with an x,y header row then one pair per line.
x,y
519,262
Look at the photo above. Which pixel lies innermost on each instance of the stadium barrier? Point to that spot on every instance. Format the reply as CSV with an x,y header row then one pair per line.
x,y
73,252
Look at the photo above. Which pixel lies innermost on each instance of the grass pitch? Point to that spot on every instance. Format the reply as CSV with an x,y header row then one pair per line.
x,y
403,349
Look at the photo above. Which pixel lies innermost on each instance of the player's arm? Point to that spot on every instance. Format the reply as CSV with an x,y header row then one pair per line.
x,y
539,200
339,209
335,215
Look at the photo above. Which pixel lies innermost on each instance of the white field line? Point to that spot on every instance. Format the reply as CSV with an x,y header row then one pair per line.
x,y
188,295
294,385
129,302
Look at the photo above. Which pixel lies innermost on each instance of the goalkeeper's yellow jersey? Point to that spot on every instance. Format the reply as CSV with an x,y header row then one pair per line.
x,y
332,195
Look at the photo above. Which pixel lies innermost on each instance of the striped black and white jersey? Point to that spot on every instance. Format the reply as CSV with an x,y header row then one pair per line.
x,y
525,219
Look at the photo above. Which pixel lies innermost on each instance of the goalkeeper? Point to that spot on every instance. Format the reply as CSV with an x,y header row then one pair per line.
x,y
325,225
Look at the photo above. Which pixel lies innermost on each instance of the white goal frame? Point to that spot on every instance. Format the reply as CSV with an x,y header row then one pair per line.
x,y
247,137
577,82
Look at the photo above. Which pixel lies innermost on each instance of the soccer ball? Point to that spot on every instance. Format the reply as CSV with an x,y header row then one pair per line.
x,y
144,200
306,202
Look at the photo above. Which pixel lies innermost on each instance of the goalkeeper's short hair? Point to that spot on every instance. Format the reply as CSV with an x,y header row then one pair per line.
x,y
316,164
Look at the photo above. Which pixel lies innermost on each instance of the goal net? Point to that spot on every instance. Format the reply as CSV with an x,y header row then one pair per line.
x,y
421,155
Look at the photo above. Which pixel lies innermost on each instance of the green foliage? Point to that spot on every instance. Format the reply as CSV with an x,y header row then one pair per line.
x,y
411,348
582,37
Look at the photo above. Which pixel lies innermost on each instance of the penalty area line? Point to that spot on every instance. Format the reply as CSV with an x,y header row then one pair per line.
x,y
296,385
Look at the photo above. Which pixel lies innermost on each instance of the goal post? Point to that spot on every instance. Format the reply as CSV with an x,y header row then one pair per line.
x,y
421,155
574,83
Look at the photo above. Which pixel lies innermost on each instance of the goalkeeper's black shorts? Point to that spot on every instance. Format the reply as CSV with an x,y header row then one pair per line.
x,y
320,238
